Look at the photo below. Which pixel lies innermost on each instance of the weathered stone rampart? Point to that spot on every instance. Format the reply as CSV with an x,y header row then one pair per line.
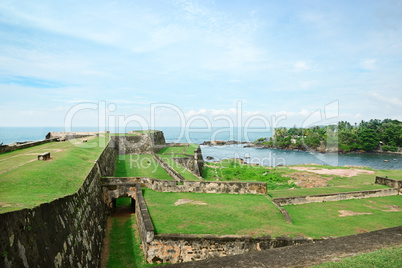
x,y
297,200
14,147
121,184
176,248
306,255
397,184
171,171
140,143
144,221
70,135
67,232
193,162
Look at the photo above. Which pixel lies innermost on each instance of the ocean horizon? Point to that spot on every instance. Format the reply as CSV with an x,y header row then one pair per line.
x,y
265,157
9,135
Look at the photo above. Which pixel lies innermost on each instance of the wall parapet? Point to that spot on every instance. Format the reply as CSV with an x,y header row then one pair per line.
x,y
389,182
14,147
114,183
144,221
176,248
297,200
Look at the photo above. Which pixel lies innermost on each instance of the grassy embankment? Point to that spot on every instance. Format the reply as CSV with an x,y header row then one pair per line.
x,y
26,182
256,215
384,258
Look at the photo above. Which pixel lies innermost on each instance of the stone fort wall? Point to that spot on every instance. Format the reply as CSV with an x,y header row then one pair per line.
x,y
140,143
120,186
67,232
14,147
397,184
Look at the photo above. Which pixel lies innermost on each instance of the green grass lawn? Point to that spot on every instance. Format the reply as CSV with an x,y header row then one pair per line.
x,y
385,258
223,214
322,219
26,182
179,168
172,150
256,215
139,166
191,148
233,170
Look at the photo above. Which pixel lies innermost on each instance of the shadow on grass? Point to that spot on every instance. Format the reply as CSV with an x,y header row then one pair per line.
x,y
122,240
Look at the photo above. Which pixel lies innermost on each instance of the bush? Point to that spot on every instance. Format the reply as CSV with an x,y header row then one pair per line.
x,y
389,148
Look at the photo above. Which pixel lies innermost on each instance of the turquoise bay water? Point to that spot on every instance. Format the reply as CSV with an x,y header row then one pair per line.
x,y
267,157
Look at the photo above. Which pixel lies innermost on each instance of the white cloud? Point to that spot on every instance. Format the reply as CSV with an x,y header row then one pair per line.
x,y
394,101
301,66
307,84
303,112
368,64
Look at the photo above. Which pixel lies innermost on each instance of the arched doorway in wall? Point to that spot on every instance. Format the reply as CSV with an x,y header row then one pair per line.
x,y
124,204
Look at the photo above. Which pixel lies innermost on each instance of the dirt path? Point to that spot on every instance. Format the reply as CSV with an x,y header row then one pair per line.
x,y
339,172
7,170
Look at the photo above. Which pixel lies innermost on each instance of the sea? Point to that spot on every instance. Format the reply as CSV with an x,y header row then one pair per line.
x,y
265,157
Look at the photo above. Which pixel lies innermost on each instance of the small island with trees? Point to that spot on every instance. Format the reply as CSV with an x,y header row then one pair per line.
x,y
368,136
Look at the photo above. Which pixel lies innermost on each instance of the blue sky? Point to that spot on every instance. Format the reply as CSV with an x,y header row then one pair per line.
x,y
198,60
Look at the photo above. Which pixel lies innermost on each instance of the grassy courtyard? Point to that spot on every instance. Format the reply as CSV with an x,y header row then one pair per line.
x,y
139,166
179,150
346,217
219,214
255,215
26,182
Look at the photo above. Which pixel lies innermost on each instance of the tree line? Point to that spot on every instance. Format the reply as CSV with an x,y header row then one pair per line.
x,y
343,137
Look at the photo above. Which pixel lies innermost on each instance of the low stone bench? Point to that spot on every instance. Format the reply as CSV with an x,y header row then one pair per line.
x,y
44,156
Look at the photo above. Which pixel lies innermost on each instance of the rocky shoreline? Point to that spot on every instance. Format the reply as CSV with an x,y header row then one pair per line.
x,y
324,150
222,143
